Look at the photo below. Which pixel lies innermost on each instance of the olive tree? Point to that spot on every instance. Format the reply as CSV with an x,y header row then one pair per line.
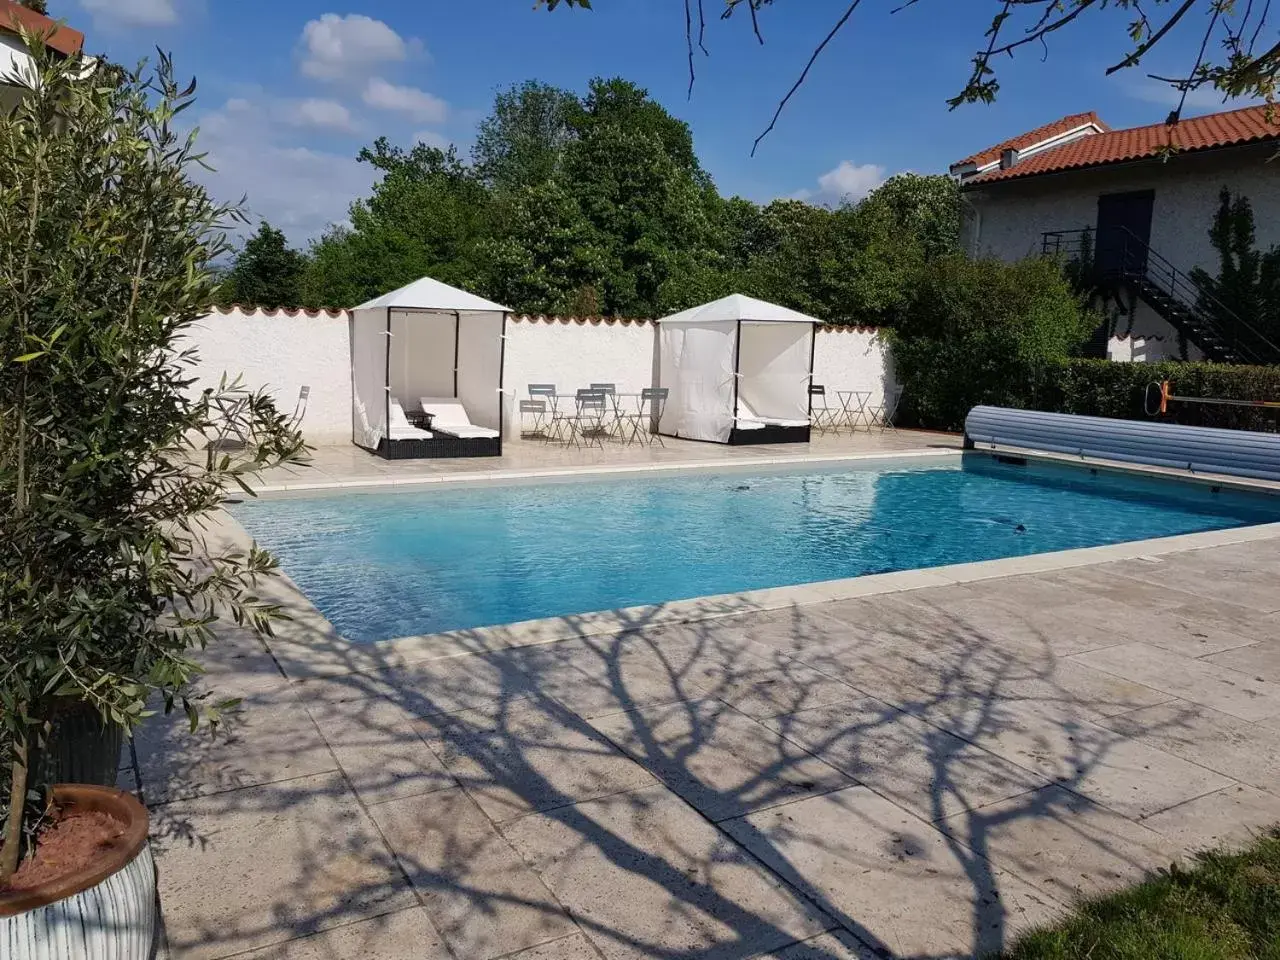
x,y
107,583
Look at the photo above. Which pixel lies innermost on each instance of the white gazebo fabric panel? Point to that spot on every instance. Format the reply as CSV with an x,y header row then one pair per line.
x,y
369,345
774,368
697,365
421,355
479,367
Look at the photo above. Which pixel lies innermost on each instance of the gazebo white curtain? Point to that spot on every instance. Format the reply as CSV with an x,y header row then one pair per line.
x,y
370,341
697,367
430,340
737,356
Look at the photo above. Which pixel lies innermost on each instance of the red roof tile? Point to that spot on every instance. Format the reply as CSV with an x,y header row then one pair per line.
x,y
1246,125
63,39
1039,134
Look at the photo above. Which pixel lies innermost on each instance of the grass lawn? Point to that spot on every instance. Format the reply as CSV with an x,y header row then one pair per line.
x,y
1225,906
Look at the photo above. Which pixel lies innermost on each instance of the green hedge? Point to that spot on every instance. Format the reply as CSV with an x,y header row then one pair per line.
x,y
1103,388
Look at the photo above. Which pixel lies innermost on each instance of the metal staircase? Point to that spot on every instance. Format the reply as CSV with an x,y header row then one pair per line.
x,y
1120,258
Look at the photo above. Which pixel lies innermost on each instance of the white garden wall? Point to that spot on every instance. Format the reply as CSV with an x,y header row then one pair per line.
x,y
574,353
283,351
852,358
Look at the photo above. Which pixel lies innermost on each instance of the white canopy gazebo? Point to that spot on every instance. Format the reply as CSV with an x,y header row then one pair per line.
x,y
738,370
434,348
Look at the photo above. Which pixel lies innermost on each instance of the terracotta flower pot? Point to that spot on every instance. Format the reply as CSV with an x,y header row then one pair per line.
x,y
107,911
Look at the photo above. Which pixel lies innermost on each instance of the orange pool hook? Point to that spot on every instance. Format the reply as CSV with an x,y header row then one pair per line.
x,y
1164,397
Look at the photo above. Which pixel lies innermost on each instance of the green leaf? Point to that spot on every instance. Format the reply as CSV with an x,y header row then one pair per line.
x,y
28,357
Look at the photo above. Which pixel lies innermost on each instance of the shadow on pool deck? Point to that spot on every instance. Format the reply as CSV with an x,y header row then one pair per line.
x,y
921,775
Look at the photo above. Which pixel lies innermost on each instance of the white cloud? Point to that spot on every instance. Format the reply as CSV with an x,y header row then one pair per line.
x,y
321,114
432,139
850,181
299,189
355,45
416,104
132,13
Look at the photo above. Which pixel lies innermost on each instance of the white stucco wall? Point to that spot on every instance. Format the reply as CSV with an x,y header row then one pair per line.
x,y
283,353
1007,220
573,354
852,358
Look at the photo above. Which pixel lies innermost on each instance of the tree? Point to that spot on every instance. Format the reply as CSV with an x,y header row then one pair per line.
x,y
425,216
548,259
1225,32
520,144
1248,280
267,272
106,579
984,332
39,6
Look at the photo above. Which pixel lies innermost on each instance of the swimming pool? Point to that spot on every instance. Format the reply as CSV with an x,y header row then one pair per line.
x,y
389,565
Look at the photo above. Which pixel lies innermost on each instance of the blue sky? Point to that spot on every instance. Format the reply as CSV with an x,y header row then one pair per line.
x,y
290,89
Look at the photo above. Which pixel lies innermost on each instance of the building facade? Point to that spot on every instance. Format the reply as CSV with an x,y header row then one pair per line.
x,y
1141,201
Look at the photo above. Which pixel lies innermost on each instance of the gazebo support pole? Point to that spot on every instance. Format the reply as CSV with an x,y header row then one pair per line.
x,y
737,374
502,376
457,333
813,349
386,383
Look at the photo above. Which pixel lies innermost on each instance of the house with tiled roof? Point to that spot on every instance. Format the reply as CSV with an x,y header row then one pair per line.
x,y
1139,203
15,59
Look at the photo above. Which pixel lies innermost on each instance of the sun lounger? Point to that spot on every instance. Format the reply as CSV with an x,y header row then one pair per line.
x,y
747,419
450,418
401,429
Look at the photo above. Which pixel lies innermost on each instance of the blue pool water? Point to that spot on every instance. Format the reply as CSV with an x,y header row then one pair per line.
x,y
382,566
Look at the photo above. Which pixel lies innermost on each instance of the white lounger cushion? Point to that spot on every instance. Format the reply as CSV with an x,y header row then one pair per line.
x,y
401,429
449,417
747,419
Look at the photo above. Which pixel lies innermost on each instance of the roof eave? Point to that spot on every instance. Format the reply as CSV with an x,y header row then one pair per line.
x,y
976,183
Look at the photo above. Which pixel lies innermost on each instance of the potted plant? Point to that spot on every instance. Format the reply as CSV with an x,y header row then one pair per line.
x,y
107,249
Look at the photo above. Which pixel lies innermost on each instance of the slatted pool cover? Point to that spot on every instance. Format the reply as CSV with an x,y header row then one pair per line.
x,y
1241,453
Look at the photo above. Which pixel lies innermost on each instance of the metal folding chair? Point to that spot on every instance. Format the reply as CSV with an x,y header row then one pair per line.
x,y
889,409
545,393
654,401
822,415
588,422
533,420
299,408
614,416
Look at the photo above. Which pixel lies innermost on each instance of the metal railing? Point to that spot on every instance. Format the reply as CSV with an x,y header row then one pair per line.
x,y
1120,255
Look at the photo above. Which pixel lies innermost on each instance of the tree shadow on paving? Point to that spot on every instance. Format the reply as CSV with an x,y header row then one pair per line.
x,y
723,788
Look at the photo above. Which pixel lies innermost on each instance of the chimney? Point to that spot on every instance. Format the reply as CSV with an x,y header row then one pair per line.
x,y
1008,158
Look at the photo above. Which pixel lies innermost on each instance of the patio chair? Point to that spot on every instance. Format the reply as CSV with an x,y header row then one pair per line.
x,y
613,414
821,413
889,409
448,416
653,401
545,392
588,420
533,420
299,409
399,427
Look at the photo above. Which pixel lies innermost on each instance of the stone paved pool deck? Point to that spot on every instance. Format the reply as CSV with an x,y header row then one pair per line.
x,y
919,772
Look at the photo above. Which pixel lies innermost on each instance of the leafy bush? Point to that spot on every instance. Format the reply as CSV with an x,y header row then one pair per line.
x,y
1102,388
106,248
984,332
